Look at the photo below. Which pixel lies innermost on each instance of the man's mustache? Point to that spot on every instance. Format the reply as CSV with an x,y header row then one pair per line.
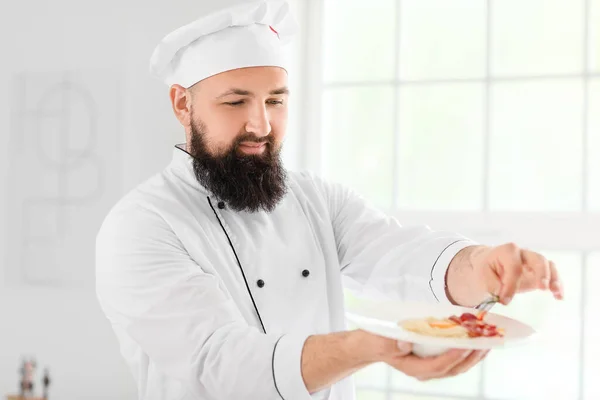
x,y
248,137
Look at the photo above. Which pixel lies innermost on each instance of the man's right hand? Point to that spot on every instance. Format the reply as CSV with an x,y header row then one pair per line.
x,y
451,363
328,358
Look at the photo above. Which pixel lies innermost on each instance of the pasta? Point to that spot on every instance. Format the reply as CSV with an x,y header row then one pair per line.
x,y
465,326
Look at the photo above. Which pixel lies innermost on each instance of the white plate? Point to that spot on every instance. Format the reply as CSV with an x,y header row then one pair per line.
x,y
382,317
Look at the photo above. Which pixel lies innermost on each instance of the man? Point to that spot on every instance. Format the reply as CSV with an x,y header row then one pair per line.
x,y
223,275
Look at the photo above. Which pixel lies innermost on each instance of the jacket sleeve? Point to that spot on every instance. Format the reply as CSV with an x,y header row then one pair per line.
x,y
380,258
183,318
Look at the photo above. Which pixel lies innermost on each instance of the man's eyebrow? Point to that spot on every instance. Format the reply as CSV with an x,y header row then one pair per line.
x,y
239,92
242,92
281,90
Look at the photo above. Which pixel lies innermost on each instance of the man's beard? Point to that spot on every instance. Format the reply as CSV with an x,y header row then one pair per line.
x,y
245,182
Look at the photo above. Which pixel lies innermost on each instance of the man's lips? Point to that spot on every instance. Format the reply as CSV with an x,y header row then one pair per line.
x,y
253,147
253,144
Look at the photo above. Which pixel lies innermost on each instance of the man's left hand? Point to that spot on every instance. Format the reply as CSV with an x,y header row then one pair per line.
x,y
507,269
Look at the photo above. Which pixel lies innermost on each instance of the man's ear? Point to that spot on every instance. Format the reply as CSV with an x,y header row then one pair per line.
x,y
181,103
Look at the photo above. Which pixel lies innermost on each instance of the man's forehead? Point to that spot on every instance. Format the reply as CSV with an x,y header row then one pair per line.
x,y
245,81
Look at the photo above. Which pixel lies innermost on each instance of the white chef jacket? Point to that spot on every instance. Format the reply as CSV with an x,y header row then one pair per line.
x,y
208,303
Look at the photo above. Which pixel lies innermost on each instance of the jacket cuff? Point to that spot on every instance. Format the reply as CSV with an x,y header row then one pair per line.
x,y
287,368
438,272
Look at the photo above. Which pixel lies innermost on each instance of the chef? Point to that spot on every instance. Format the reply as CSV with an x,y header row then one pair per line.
x,y
223,275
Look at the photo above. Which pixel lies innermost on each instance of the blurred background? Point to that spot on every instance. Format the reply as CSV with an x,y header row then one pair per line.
x,y
477,116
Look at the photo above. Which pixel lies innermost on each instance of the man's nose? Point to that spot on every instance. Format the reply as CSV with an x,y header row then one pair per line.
x,y
258,122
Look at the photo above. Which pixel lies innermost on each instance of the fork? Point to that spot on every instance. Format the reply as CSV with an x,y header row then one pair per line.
x,y
488,303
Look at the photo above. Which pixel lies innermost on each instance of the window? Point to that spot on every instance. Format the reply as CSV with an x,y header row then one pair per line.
x,y
482,117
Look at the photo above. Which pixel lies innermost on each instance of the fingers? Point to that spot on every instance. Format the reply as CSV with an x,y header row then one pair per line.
x,y
404,348
431,367
512,270
493,282
539,267
472,360
542,274
451,363
556,285
512,266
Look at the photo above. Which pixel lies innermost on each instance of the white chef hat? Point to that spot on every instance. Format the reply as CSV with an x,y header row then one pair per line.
x,y
250,34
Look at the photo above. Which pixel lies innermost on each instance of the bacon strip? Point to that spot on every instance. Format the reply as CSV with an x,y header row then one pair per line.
x,y
476,326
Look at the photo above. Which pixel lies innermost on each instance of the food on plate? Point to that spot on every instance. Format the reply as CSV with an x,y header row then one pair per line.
x,y
466,326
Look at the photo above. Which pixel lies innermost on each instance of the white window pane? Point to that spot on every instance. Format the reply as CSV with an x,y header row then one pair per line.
x,y
537,37
442,39
466,384
547,368
536,152
370,395
358,140
591,366
594,26
359,40
594,144
440,162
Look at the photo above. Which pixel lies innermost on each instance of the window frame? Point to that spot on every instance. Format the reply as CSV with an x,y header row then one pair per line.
x,y
550,231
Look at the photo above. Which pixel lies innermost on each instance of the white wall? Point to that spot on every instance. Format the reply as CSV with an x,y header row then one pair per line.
x,y
47,302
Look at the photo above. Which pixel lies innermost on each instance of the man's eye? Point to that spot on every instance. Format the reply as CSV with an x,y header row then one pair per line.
x,y
275,101
235,103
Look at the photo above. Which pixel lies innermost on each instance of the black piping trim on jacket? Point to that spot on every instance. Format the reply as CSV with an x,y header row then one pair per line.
x,y
433,267
273,367
239,264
